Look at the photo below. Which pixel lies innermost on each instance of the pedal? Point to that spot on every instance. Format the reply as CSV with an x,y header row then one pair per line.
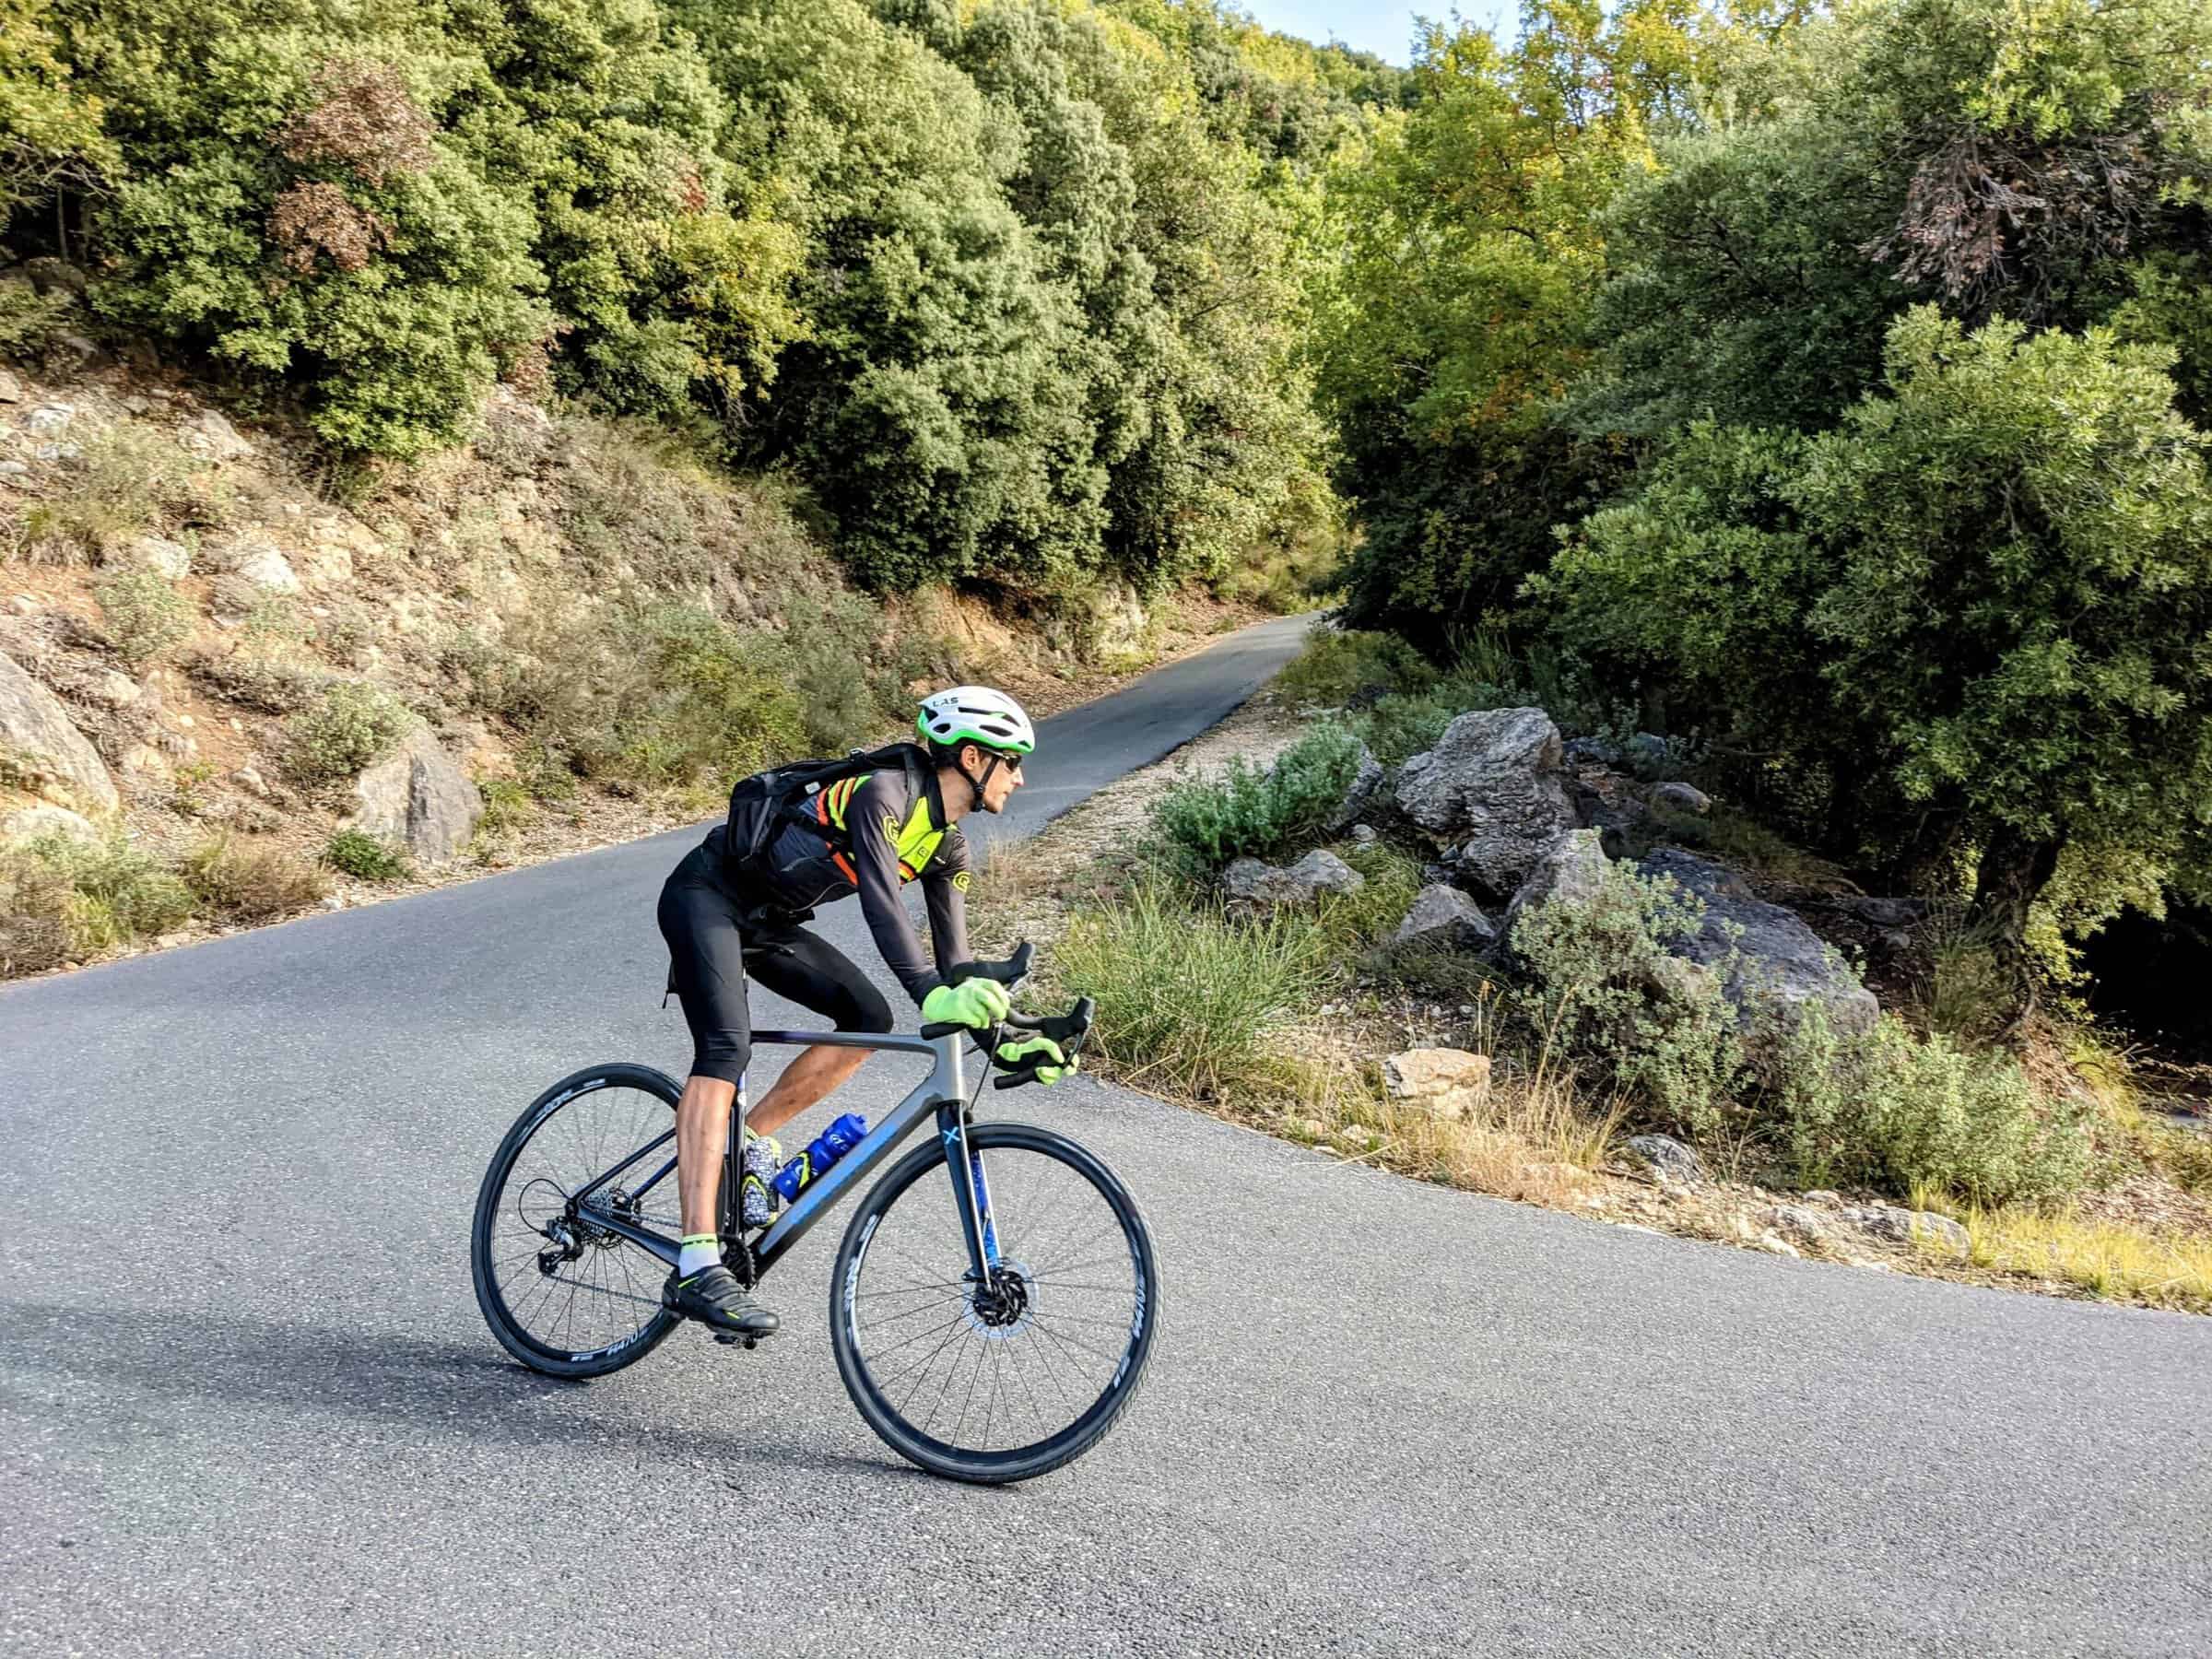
x,y
750,1342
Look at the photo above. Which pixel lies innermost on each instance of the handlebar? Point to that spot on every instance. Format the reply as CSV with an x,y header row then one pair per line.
x,y
1067,1030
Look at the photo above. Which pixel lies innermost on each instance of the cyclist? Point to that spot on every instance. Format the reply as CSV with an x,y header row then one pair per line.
x,y
868,834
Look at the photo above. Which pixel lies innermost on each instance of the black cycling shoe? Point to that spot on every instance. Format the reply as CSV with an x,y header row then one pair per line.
x,y
713,1296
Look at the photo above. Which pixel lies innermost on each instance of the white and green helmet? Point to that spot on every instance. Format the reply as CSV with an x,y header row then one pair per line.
x,y
976,715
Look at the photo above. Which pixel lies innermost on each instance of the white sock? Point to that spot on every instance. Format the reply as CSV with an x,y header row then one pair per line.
x,y
701,1250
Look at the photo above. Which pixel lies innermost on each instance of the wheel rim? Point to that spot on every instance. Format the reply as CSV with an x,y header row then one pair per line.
x,y
568,1287
996,1371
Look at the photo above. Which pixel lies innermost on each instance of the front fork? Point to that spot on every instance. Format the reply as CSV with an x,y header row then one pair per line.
x,y
971,1192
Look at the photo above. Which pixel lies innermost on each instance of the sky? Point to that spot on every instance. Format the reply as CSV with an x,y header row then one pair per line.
x,y
1385,30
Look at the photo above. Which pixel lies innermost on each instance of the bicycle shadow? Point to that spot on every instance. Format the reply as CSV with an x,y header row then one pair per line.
x,y
108,1369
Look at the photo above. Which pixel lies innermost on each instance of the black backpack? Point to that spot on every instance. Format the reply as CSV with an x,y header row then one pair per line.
x,y
764,802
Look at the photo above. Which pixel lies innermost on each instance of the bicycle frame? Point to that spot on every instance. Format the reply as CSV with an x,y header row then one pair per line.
x,y
943,1094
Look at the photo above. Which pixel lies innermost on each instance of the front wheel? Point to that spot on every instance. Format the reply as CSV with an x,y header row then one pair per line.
x,y
995,1381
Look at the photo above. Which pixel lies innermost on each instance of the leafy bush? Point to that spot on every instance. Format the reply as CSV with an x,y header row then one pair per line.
x,y
117,892
249,883
1254,812
34,914
1888,1108
1187,998
1338,665
1605,995
144,614
364,856
31,322
352,725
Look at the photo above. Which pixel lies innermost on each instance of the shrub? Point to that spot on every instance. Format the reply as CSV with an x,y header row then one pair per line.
x,y
117,892
34,912
144,614
248,882
1890,1108
31,322
1338,665
1251,811
365,856
1187,998
1606,995
353,724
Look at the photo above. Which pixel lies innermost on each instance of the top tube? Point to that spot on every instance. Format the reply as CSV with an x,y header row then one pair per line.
x,y
890,1041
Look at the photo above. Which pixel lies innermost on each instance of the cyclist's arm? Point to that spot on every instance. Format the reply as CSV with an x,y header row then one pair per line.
x,y
945,887
876,874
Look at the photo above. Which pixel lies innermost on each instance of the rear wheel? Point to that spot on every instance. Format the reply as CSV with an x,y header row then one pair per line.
x,y
997,1382
562,1294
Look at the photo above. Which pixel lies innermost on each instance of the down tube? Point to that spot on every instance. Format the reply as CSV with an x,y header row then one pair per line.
x,y
817,1198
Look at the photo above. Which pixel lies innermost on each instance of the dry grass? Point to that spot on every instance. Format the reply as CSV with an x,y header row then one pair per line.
x,y
2107,1259
245,881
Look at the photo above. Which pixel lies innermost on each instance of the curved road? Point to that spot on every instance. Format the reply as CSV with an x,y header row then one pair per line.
x,y
247,1405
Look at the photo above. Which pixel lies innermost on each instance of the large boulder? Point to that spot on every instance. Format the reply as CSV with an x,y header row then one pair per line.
x,y
418,797
42,753
1491,787
1572,870
1249,884
1781,964
1667,1158
1443,916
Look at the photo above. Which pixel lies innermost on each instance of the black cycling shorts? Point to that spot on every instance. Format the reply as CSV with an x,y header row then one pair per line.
x,y
711,953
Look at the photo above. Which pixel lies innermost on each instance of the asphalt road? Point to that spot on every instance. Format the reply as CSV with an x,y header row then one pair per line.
x,y
247,1404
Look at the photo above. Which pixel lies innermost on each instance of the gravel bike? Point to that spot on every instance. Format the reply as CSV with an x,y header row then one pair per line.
x,y
989,1338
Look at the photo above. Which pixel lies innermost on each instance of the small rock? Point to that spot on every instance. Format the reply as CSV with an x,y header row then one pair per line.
x,y
49,420
184,722
334,903
1590,751
1912,1227
14,470
146,763
1667,1158
1822,1195
1682,797
212,438
1445,916
1316,1128
1363,835
1774,1244
53,275
137,405
158,553
1446,1083
57,453
264,565
249,780
237,724
1796,1221
11,389
114,690
27,823
23,605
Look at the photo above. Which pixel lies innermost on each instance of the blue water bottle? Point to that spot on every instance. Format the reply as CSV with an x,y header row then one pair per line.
x,y
825,1149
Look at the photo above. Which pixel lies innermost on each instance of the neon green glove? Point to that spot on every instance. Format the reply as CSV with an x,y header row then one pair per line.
x,y
976,1002
1014,1055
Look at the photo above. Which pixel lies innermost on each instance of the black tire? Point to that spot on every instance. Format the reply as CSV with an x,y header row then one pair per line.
x,y
1125,1234
500,1252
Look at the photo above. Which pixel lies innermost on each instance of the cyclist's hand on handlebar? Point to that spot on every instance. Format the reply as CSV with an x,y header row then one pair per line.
x,y
978,1003
1041,1057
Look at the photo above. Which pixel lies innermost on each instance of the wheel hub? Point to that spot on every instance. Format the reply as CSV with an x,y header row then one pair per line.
x,y
1001,1308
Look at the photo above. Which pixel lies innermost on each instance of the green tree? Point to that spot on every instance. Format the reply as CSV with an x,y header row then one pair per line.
x,y
2000,570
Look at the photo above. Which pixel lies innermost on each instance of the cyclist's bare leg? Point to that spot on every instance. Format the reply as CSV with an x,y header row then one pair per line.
x,y
806,1080
702,1122
702,1137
